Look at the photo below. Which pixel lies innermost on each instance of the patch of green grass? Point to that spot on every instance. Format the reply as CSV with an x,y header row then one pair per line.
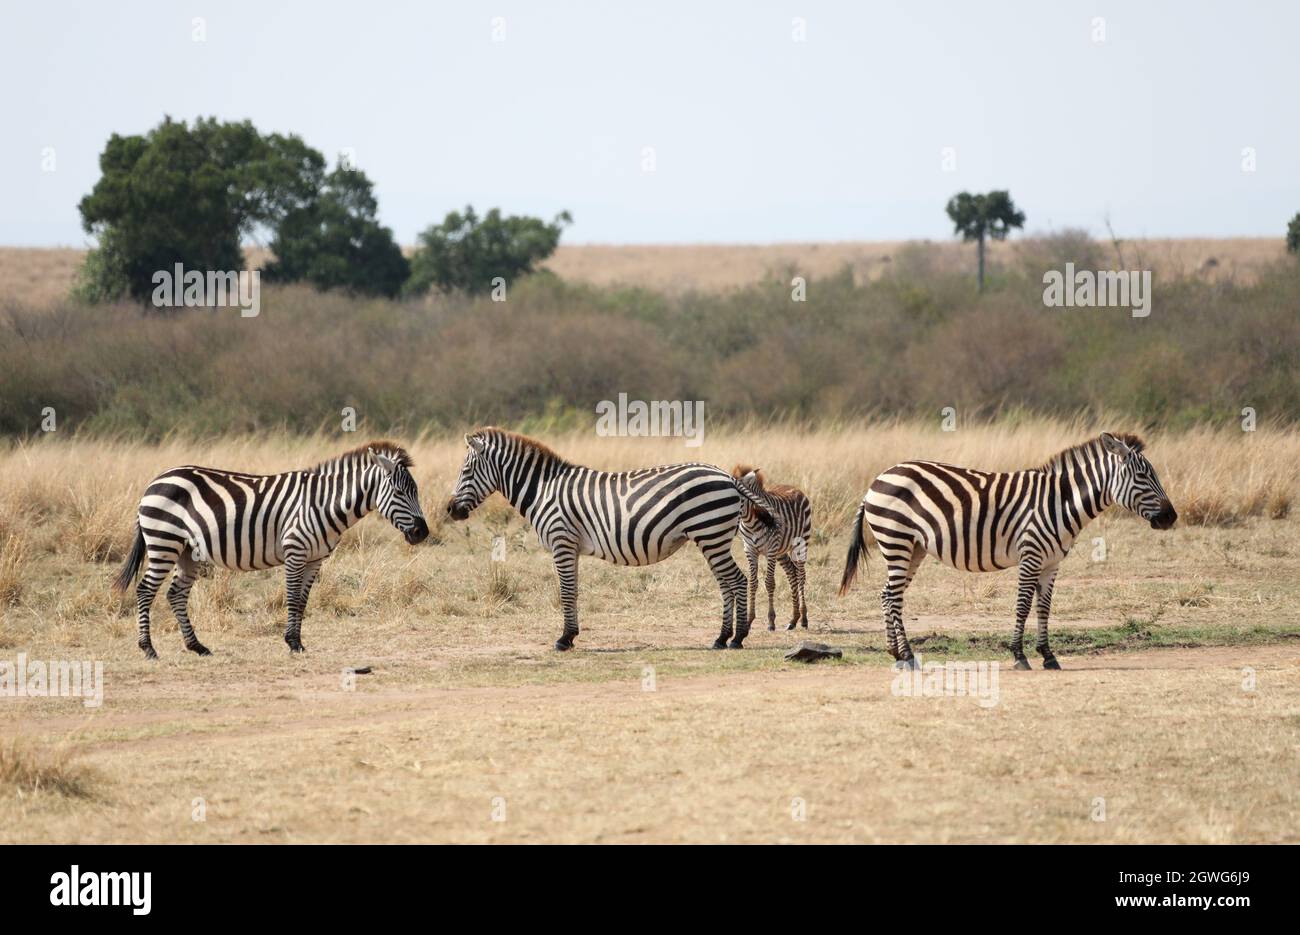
x,y
1131,635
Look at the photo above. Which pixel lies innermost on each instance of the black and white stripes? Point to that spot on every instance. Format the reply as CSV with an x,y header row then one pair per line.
x,y
629,518
981,521
786,542
245,522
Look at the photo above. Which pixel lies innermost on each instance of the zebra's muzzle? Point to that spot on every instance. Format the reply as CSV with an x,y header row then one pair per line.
x,y
457,511
1166,518
418,533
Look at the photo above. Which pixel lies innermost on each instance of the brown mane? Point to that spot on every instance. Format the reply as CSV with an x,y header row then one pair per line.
x,y
522,441
1128,438
380,446
740,470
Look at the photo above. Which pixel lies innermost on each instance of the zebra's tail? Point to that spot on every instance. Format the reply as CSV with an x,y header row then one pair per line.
x,y
857,550
760,506
133,563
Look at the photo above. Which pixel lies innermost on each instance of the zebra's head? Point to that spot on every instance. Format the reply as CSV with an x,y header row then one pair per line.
x,y
397,498
1134,484
479,479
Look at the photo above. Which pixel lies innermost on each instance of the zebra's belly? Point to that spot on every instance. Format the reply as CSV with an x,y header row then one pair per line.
x,y
971,554
631,554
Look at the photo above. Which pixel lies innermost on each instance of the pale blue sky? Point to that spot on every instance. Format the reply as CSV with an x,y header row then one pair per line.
x,y
756,137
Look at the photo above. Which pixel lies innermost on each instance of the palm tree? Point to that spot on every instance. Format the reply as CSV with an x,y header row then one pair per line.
x,y
978,216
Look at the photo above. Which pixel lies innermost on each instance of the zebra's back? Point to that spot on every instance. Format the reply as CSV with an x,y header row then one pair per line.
x,y
232,519
965,518
642,517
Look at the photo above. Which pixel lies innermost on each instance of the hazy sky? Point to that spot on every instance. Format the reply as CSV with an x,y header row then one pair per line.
x,y
756,136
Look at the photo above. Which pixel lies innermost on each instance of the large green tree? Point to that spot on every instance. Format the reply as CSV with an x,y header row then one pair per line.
x,y
977,217
337,242
1293,235
189,194
466,252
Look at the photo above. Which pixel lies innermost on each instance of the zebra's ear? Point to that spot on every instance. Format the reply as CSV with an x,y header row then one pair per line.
x,y
385,462
476,442
1114,445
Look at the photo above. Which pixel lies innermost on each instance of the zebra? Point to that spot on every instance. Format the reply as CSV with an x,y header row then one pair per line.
x,y
982,521
191,515
629,518
786,542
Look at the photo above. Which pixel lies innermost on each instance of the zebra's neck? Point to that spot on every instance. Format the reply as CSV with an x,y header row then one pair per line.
x,y
1081,478
348,488
523,478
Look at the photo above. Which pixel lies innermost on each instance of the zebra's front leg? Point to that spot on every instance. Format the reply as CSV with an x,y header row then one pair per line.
x,y
1025,592
566,569
295,598
178,596
792,575
1046,581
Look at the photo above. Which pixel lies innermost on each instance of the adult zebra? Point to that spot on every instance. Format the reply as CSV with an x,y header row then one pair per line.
x,y
981,521
247,522
630,518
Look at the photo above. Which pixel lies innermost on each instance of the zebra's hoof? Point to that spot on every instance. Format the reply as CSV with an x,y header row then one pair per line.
x,y
720,643
735,644
561,646
792,624
771,626
1022,663
197,647
296,647
906,664
1049,662
149,651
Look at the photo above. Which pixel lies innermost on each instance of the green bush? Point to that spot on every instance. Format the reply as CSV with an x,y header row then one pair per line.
x,y
467,253
895,346
337,242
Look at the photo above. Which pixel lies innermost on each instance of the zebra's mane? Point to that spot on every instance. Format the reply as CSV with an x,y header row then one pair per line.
x,y
380,446
740,470
1062,457
487,432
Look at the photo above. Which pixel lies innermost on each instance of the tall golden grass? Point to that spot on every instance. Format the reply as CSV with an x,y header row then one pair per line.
x,y
78,496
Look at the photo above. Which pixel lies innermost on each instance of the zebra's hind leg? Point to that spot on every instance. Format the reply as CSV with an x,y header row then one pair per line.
x,y
178,595
734,589
751,556
801,565
902,565
160,566
792,575
769,582
1046,581
1025,591
565,555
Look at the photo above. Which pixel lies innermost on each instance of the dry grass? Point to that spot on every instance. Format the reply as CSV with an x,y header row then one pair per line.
x,y
40,276
468,703
30,770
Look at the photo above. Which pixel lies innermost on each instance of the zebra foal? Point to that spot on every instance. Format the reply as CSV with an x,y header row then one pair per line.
x,y
628,518
982,521
786,542
193,515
